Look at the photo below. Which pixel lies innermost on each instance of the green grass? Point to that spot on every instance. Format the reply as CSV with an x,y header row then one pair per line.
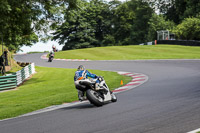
x,y
49,86
133,52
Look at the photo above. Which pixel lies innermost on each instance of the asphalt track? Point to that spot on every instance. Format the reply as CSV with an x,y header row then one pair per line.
x,y
168,103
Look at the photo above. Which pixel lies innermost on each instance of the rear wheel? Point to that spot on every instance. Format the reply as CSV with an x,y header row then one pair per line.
x,y
94,97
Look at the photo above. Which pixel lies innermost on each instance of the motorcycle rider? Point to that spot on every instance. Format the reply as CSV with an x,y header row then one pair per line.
x,y
51,54
54,48
82,75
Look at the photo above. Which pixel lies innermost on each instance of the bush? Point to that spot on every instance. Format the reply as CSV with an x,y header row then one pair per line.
x,y
189,29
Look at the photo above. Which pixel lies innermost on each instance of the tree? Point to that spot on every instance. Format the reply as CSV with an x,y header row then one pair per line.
x,y
16,24
122,22
86,26
75,32
156,23
98,23
131,22
140,26
176,10
23,20
189,29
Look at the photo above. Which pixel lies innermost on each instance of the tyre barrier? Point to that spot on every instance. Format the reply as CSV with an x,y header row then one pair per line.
x,y
23,64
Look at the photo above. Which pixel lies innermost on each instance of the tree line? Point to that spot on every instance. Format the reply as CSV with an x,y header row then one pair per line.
x,y
25,22
95,23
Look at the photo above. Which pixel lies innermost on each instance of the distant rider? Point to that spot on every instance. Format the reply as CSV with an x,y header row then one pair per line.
x,y
51,54
82,75
54,48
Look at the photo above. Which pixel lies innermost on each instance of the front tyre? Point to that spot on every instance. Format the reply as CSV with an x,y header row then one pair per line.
x,y
113,97
94,97
50,59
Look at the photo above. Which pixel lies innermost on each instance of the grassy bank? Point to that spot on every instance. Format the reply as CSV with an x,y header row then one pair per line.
x,y
49,86
133,52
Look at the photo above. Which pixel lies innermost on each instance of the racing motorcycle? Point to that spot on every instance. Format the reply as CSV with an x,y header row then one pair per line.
x,y
51,56
98,93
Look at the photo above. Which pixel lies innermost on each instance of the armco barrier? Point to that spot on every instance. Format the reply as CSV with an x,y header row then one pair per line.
x,y
174,42
147,43
25,73
8,81
180,42
13,80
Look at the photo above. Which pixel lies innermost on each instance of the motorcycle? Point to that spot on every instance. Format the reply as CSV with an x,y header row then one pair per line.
x,y
51,56
98,93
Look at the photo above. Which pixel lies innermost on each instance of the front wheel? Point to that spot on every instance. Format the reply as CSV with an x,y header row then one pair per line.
x,y
113,98
94,97
50,59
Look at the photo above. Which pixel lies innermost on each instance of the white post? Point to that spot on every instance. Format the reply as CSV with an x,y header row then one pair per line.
x,y
33,68
163,35
157,35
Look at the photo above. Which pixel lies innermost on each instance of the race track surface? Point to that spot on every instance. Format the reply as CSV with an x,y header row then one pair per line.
x,y
168,103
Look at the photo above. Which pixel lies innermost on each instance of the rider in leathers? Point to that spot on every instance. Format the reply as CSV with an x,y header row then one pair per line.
x,y
80,75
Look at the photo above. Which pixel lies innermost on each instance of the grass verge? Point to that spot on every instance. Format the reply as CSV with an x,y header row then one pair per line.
x,y
49,86
133,52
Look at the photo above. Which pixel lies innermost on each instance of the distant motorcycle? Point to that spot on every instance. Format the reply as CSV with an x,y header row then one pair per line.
x,y
51,56
98,93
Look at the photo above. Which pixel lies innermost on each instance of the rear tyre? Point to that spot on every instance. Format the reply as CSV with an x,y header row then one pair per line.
x,y
94,97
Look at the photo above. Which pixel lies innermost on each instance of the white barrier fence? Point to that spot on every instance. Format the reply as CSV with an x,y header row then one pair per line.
x,y
13,80
147,43
25,73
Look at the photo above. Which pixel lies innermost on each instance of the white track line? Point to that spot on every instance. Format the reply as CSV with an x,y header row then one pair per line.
x,y
194,131
45,57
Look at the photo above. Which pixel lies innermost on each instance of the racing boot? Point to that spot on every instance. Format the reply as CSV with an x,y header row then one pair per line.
x,y
81,96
